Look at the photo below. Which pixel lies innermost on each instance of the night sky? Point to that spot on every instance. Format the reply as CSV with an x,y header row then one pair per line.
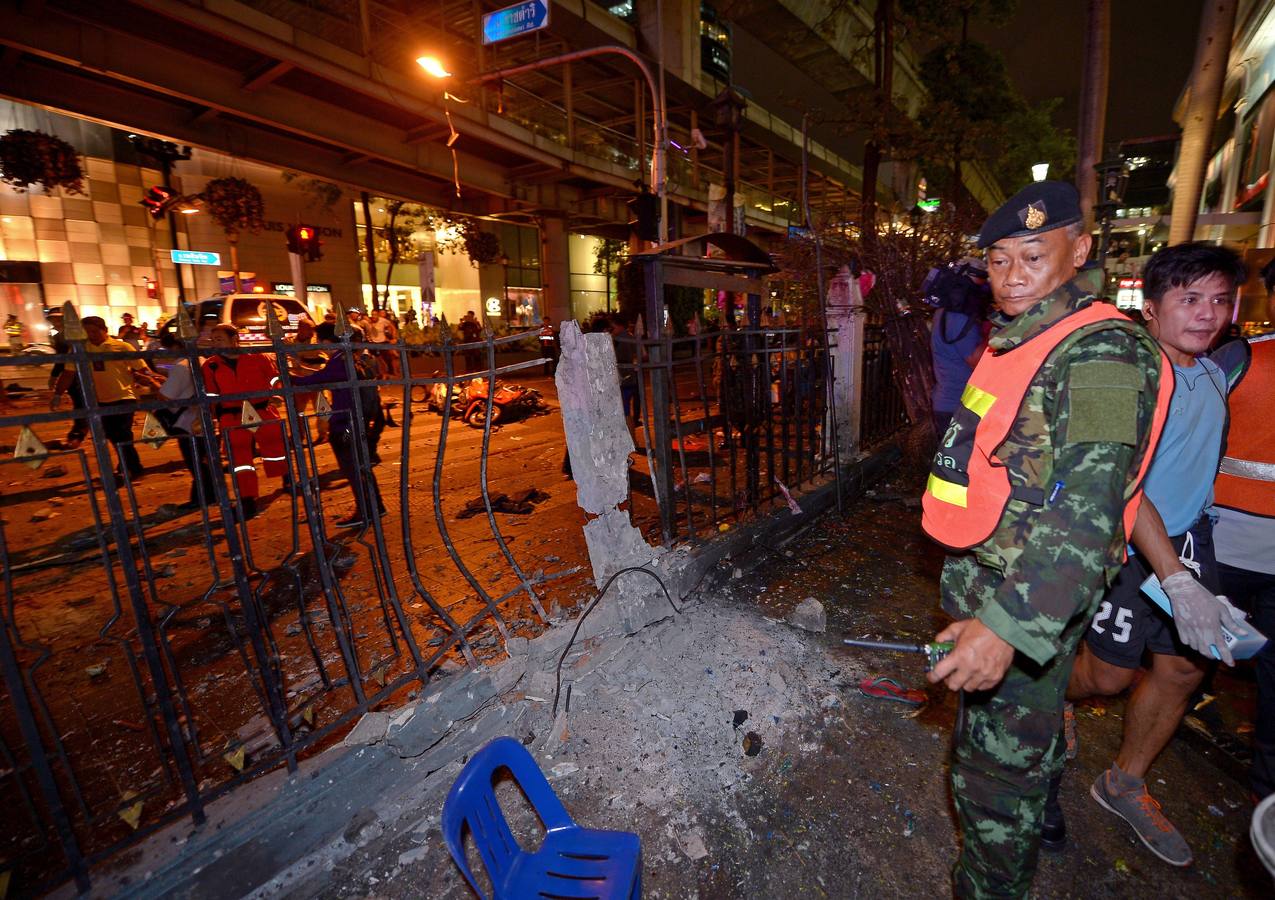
x,y
1152,50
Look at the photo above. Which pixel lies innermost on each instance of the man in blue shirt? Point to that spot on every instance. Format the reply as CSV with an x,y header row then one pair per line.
x,y
956,343
1190,289
343,429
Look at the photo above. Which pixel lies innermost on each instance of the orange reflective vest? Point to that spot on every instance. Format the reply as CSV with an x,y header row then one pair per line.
x,y
1246,478
969,486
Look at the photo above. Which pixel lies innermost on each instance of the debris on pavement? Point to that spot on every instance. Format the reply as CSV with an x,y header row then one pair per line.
x,y
519,503
883,688
809,615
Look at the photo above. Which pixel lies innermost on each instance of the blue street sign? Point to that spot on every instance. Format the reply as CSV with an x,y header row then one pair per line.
x,y
521,18
195,257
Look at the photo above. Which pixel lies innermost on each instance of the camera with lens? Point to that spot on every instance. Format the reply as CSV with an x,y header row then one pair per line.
x,y
960,286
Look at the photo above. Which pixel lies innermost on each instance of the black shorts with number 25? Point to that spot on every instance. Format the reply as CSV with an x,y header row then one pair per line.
x,y
1128,622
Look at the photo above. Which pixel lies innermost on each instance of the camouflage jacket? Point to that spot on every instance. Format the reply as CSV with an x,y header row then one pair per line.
x,y
1081,433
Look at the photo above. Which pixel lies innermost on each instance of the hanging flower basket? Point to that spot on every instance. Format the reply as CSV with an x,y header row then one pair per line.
x,y
34,157
235,205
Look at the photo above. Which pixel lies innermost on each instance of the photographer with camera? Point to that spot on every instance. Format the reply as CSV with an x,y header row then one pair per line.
x,y
960,292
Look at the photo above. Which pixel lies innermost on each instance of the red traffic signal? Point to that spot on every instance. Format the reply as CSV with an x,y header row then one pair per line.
x,y
304,241
158,200
152,288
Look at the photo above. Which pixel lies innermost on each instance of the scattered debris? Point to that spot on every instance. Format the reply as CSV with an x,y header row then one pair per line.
x,y
741,716
809,615
369,730
413,856
882,688
752,743
692,843
520,503
792,504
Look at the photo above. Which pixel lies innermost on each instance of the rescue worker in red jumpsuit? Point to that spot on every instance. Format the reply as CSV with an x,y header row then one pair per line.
x,y
230,373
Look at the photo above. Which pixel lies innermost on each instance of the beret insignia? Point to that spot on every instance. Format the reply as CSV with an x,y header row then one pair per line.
x,y
1034,215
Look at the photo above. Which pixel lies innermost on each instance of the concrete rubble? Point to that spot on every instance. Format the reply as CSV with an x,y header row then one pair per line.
x,y
809,615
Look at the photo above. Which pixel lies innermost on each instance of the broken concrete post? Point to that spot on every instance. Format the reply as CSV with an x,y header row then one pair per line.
x,y
846,313
597,437
599,444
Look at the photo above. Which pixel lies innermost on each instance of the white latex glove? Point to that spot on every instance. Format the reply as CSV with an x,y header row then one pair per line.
x,y
1200,616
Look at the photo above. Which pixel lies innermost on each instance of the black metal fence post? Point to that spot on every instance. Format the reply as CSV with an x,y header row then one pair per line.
x,y
662,477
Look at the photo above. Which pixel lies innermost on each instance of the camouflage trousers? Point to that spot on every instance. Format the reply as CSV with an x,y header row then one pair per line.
x,y
1006,748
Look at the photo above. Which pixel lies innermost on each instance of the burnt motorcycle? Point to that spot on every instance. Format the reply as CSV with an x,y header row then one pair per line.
x,y
436,397
508,403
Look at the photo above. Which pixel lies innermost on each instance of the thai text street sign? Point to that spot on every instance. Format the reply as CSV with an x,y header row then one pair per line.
x,y
521,18
195,257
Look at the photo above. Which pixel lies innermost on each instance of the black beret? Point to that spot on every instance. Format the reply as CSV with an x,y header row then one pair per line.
x,y
1039,207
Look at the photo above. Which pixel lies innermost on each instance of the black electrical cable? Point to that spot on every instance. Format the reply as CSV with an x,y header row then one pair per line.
x,y
557,690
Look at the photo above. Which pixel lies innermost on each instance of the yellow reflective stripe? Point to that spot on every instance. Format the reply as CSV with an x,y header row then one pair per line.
x,y
947,491
977,400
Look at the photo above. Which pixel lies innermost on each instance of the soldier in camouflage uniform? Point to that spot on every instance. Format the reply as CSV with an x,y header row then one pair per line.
x,y
1024,597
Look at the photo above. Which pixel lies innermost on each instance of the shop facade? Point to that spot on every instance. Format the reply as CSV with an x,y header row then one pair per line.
x,y
103,251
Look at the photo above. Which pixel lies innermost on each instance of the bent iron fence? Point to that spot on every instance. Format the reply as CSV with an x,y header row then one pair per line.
x,y
747,422
152,662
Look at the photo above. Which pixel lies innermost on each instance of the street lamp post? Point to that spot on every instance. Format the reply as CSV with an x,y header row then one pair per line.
x,y
658,172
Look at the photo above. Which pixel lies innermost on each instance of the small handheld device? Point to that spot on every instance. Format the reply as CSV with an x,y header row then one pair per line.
x,y
1241,646
934,651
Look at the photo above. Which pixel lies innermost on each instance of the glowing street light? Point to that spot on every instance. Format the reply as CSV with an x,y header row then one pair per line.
x,y
1040,171
433,66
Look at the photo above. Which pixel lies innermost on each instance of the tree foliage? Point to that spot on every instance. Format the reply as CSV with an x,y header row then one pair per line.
x,y
324,195
1030,137
974,112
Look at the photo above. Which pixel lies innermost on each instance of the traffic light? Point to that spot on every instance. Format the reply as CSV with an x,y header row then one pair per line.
x,y
158,200
304,241
152,288
645,209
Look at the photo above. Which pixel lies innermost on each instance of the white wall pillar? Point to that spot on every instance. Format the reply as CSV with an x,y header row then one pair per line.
x,y
846,314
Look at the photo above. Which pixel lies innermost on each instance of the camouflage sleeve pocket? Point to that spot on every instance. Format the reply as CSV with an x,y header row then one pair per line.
x,y
1102,403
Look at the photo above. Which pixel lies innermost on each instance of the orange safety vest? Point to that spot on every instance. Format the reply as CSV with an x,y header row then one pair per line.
x,y
969,487
1246,480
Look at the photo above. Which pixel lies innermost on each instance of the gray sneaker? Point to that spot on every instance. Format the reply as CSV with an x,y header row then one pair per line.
x,y
1142,812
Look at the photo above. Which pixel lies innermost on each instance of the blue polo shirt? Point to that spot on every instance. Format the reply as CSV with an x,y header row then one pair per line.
x,y
1180,480
950,349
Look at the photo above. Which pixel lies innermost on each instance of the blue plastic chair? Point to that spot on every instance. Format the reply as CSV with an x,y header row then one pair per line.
x,y
572,862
